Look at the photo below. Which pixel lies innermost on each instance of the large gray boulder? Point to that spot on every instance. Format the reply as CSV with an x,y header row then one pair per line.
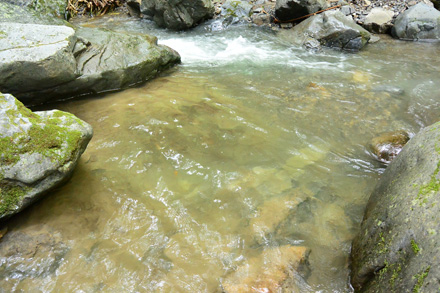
x,y
38,152
40,63
291,9
420,22
177,14
398,247
329,29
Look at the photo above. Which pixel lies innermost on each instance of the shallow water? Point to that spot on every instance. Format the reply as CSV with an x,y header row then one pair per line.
x,y
219,172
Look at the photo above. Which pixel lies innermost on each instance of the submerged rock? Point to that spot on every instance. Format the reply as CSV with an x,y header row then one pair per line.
x,y
291,9
388,145
275,270
40,63
331,29
397,249
38,152
35,252
177,14
420,22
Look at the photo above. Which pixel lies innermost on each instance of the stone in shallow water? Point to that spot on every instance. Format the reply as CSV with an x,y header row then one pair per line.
x,y
270,214
270,271
388,145
38,152
30,253
40,63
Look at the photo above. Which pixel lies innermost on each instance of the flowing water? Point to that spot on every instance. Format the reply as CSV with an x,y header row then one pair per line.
x,y
224,172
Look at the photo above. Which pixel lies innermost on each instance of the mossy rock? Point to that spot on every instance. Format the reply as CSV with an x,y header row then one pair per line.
x,y
398,247
38,152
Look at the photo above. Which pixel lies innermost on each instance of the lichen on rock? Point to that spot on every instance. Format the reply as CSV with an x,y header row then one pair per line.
x,y
38,151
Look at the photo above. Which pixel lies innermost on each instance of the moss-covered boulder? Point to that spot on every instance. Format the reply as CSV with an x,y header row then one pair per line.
x,y
11,11
398,247
55,8
38,152
329,29
40,63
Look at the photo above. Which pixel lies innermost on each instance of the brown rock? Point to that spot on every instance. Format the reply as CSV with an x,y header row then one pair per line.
x,y
389,144
268,272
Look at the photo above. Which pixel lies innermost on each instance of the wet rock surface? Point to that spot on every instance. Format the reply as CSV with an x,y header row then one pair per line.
x,y
420,22
271,271
35,252
177,14
38,152
397,249
388,145
40,63
329,29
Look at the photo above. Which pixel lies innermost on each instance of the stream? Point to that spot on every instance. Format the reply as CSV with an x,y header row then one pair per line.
x,y
215,175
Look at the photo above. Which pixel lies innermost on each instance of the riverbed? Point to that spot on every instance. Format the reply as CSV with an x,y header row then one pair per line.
x,y
249,147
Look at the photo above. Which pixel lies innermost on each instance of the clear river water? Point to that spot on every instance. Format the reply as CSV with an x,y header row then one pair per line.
x,y
246,167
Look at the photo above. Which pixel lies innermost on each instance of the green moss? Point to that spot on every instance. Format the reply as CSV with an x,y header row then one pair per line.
x,y
428,189
10,197
395,275
46,137
420,277
381,245
414,246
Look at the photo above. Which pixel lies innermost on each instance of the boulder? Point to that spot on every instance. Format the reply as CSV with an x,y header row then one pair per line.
x,y
55,8
398,246
177,14
420,22
38,152
388,145
41,63
23,14
291,9
379,20
330,29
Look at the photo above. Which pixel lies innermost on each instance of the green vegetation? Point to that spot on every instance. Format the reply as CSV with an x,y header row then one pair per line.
x,y
414,246
382,244
395,275
49,138
420,279
10,197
